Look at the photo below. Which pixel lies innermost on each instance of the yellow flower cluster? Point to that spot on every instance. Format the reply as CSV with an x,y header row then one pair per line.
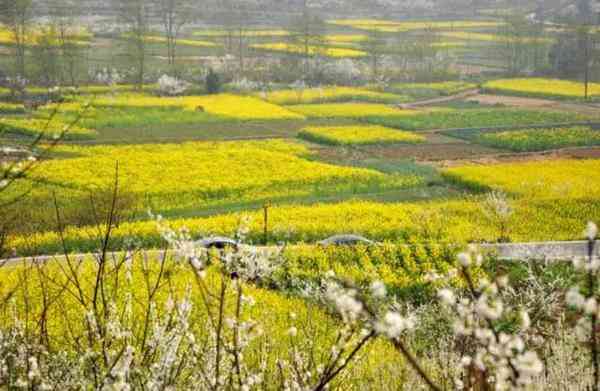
x,y
350,110
312,50
395,27
572,179
542,87
331,94
226,105
359,135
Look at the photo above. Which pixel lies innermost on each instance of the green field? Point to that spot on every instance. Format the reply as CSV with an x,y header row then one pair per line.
x,y
475,118
531,140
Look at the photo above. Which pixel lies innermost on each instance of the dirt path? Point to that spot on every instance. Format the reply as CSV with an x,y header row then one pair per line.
x,y
535,103
444,99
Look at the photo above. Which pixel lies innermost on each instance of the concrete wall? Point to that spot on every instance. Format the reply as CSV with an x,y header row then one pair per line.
x,y
551,251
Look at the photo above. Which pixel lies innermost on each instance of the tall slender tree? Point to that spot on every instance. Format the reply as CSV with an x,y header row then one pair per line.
x,y
375,46
135,16
63,17
307,35
16,15
173,14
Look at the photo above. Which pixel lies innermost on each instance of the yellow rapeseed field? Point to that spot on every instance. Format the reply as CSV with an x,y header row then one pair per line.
x,y
77,36
49,128
313,50
226,105
359,135
459,221
350,110
562,178
542,87
394,27
331,94
198,175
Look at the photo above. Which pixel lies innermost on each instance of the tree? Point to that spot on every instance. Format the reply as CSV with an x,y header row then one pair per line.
x,y
16,15
307,35
68,36
523,44
173,14
135,15
46,56
236,23
375,46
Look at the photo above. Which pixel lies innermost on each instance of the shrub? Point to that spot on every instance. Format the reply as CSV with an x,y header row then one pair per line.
x,y
213,82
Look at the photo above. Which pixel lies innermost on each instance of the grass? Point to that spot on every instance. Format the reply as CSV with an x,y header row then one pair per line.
x,y
332,95
313,50
475,118
543,88
359,135
530,140
349,110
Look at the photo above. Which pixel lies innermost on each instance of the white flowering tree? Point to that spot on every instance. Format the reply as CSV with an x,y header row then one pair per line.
x,y
172,86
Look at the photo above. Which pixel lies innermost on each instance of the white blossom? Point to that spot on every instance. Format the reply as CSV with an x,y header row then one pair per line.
x,y
591,231
378,289
393,324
